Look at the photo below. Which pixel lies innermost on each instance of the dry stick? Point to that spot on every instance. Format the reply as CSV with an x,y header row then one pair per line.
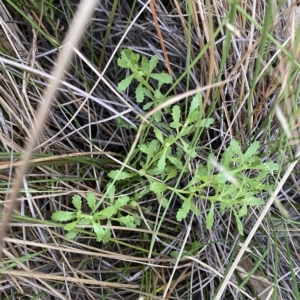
x,y
255,227
163,46
211,52
177,260
82,17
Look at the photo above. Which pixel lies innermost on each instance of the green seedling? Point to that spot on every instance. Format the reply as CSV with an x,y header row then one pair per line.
x,y
142,72
96,218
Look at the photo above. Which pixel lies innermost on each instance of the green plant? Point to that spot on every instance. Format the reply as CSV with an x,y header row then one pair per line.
x,y
142,72
95,218
163,157
234,183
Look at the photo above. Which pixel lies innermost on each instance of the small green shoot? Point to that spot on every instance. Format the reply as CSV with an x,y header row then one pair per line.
x,y
142,71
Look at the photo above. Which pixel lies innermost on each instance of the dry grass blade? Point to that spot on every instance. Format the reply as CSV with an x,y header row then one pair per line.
x,y
69,279
257,281
163,46
284,111
83,15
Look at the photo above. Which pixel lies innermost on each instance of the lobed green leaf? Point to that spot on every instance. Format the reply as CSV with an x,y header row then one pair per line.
x,y
121,201
128,221
145,65
107,212
175,161
251,150
196,103
159,135
153,63
161,165
161,77
239,223
124,84
184,210
76,200
91,200
71,226
129,56
176,117
236,148
63,216
205,123
139,93
71,234
157,187
99,231
120,175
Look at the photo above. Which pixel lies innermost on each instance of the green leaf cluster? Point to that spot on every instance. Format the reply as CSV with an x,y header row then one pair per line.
x,y
142,71
162,158
234,183
96,218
